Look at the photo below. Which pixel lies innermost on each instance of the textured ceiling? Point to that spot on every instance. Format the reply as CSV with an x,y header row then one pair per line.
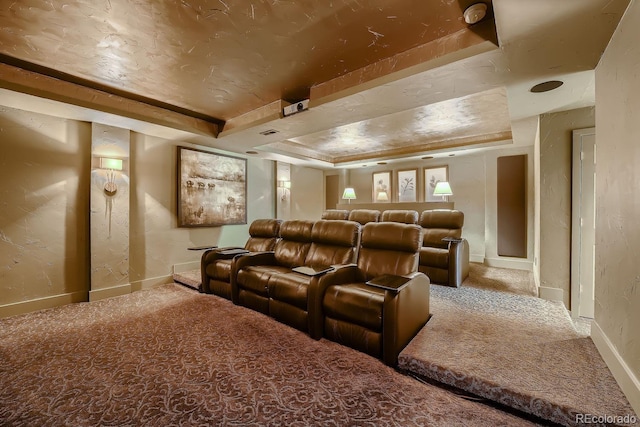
x,y
386,79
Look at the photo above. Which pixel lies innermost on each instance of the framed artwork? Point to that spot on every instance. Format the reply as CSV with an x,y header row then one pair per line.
x,y
381,187
407,185
432,176
212,189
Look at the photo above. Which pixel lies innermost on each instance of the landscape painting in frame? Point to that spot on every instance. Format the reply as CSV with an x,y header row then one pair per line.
x,y
212,189
431,177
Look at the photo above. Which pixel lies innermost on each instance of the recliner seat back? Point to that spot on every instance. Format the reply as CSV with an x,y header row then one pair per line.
x,y
333,242
263,235
295,241
440,223
389,248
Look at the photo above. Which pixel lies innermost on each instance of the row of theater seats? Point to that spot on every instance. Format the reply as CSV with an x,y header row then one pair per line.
x,y
444,255
356,303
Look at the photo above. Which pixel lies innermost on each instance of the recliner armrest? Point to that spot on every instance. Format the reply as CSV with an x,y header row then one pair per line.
x,y
209,257
405,313
458,262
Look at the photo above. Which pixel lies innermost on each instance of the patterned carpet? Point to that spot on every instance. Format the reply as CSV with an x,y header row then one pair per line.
x,y
520,351
172,356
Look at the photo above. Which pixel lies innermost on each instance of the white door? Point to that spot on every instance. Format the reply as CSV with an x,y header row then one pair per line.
x,y
583,223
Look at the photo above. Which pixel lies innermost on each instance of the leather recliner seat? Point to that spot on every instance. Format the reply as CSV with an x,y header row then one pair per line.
x,y
251,272
370,319
445,262
295,298
216,267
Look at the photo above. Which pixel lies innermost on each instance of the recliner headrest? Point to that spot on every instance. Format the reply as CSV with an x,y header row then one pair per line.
x,y
265,228
442,218
338,233
296,230
394,236
400,215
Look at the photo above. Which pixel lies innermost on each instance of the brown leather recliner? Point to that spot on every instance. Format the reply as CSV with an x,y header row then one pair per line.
x,y
251,272
372,319
332,214
446,262
296,298
405,216
364,216
216,265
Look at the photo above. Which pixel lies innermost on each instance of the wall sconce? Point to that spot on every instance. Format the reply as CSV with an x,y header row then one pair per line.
x,y
349,194
443,189
111,165
382,196
285,185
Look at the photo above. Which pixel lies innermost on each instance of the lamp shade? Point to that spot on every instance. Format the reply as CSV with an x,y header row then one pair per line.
x,y
349,193
284,183
109,163
382,196
442,189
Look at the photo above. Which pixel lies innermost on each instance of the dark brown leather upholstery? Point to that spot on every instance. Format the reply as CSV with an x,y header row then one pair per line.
x,y
400,215
251,273
332,214
446,263
216,268
370,319
295,298
364,216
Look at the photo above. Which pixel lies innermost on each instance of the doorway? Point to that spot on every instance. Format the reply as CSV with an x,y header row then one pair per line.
x,y
583,215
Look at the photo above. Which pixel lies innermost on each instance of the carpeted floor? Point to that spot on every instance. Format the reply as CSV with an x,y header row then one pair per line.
x,y
171,356
500,279
520,351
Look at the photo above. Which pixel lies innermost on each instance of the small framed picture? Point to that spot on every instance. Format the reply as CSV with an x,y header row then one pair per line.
x,y
407,185
381,187
432,176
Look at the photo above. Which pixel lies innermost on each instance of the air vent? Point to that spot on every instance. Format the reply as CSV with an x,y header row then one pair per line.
x,y
268,132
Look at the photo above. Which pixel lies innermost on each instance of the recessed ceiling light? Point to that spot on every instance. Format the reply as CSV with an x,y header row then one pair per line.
x,y
475,13
546,86
427,157
451,155
382,163
251,152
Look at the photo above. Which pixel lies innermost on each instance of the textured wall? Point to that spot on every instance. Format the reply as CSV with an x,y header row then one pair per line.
x,y
307,192
555,195
617,278
44,206
109,211
156,241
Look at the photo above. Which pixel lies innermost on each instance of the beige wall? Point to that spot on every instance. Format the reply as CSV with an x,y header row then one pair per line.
x,y
44,209
473,181
555,197
44,214
156,242
307,193
617,276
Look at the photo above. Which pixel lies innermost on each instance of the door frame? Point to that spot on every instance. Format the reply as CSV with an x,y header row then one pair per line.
x,y
576,172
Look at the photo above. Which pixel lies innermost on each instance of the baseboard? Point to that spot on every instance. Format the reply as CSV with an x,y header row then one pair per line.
x,y
186,266
23,307
476,258
515,264
150,283
621,372
551,294
111,292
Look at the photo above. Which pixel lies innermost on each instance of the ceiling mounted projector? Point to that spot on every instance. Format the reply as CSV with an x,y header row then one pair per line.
x,y
296,107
